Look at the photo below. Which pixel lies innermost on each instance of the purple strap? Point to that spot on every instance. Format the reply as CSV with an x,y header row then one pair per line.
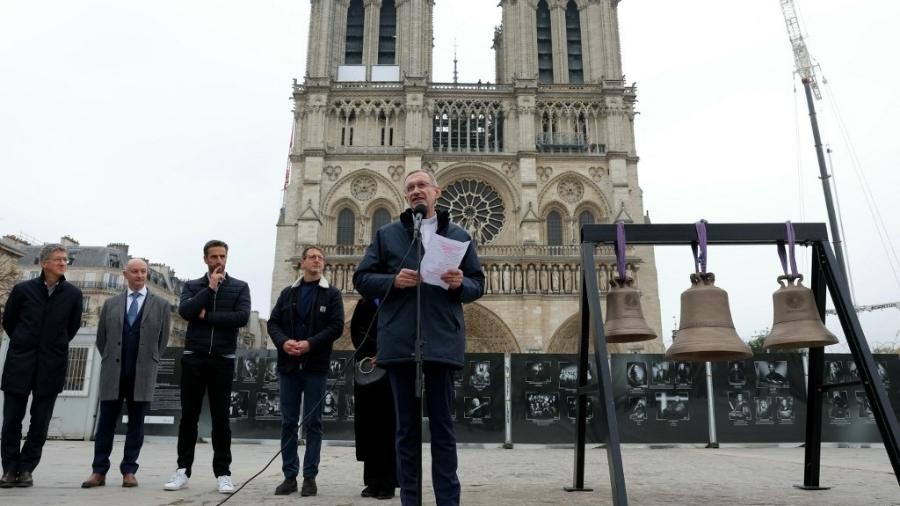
x,y
700,257
620,248
789,255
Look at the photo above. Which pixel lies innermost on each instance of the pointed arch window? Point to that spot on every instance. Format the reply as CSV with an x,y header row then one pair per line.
x,y
387,33
544,44
381,218
554,229
573,43
346,227
585,218
353,44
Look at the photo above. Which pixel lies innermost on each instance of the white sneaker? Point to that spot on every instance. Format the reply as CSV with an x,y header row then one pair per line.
x,y
178,481
225,485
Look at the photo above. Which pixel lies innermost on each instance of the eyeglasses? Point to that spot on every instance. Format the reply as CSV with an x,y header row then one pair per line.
x,y
417,186
62,260
314,257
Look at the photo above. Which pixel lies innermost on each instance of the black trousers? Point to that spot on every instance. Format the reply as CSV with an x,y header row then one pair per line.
x,y
209,375
106,429
26,458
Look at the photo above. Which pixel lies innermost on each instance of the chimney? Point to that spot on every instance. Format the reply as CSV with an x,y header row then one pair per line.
x,y
68,241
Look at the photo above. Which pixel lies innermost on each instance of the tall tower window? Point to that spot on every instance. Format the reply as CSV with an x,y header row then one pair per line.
x,y
544,44
353,48
387,34
585,218
381,218
346,227
554,229
573,43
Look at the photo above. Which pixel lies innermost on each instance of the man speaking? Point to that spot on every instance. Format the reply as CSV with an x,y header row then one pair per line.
x,y
390,264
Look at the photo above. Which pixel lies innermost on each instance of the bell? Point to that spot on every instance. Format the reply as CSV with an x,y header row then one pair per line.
x,y
624,319
797,323
706,333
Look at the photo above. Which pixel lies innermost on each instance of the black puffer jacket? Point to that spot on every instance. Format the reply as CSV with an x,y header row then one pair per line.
x,y
324,325
227,310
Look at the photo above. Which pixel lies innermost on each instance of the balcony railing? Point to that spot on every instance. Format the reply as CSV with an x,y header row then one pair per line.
x,y
98,285
490,250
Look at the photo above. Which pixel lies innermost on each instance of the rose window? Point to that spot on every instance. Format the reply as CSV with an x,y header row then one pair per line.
x,y
474,206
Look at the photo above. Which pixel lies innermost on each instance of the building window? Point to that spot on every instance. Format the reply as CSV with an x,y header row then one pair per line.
x,y
353,47
573,43
346,227
544,44
387,33
78,372
476,206
381,218
554,229
348,122
585,218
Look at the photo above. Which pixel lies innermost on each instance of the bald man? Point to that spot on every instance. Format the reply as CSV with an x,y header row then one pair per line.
x,y
131,336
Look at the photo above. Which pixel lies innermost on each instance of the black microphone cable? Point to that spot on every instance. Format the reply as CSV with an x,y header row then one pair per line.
x,y
293,439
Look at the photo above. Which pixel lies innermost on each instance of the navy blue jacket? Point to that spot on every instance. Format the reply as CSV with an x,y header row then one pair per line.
x,y
39,328
324,325
227,310
443,327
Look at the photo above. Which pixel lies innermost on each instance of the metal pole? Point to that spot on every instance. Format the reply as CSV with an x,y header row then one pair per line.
x,y
507,387
713,437
823,175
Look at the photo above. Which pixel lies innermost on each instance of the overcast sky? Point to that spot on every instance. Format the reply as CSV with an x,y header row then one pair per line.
x,y
164,124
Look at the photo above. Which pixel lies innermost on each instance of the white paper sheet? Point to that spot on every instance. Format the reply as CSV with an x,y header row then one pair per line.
x,y
442,255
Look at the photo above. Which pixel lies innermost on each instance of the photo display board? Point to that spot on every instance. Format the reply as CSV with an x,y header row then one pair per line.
x,y
544,401
479,403
846,413
659,401
761,399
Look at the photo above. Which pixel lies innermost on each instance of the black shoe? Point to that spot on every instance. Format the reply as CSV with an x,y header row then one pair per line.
x,y
25,480
367,492
9,480
287,487
309,487
384,493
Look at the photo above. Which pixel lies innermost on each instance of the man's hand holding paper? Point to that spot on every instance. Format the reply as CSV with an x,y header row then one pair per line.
x,y
440,265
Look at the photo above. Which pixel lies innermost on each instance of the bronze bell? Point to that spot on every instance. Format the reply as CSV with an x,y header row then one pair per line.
x,y
706,333
797,323
624,319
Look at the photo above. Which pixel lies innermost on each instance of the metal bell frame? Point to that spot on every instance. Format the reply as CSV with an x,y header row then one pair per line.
x,y
826,274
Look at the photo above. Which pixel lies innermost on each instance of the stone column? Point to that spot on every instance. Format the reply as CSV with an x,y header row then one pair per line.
x,y
371,27
560,47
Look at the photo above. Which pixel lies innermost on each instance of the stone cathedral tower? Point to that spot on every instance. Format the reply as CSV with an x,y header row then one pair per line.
x,y
522,163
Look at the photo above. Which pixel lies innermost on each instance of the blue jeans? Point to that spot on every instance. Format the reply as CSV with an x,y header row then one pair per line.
x,y
311,387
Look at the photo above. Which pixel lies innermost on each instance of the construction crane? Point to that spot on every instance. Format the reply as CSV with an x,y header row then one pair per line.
x,y
804,67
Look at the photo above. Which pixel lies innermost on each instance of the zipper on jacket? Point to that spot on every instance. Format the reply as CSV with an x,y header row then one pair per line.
x,y
212,330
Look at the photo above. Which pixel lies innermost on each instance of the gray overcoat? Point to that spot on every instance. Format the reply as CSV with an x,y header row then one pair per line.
x,y
155,324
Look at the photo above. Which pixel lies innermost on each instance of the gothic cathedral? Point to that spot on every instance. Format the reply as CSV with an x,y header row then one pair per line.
x,y
523,162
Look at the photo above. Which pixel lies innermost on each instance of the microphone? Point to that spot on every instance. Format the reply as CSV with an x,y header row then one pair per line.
x,y
420,211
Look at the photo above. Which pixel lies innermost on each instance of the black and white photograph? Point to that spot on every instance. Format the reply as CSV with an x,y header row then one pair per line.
x,y
683,374
862,402
838,405
736,376
572,407
542,406
480,376
239,404
636,375
672,406
637,409
336,369
249,370
267,405
272,370
739,406
330,405
661,373
883,374
349,406
784,408
771,374
834,371
537,373
568,375
765,409
852,373
457,378
477,407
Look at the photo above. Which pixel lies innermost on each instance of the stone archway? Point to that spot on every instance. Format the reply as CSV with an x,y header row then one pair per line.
x,y
565,339
486,332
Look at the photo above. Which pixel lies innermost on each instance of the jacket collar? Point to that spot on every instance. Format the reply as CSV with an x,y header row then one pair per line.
x,y
443,220
43,281
323,283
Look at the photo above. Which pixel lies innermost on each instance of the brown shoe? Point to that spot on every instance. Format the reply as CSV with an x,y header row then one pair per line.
x,y
96,480
129,481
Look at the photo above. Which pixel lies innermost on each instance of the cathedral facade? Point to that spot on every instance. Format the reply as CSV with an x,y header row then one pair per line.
x,y
522,162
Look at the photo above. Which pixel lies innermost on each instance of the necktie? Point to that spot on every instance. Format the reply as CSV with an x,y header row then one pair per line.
x,y
133,309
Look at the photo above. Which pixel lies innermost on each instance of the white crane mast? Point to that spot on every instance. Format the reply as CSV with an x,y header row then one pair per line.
x,y
802,61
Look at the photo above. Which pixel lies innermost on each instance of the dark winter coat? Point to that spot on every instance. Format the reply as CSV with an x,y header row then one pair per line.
x,y
39,328
324,325
227,310
443,327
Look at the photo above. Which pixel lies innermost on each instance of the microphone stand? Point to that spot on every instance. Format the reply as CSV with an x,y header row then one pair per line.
x,y
417,237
